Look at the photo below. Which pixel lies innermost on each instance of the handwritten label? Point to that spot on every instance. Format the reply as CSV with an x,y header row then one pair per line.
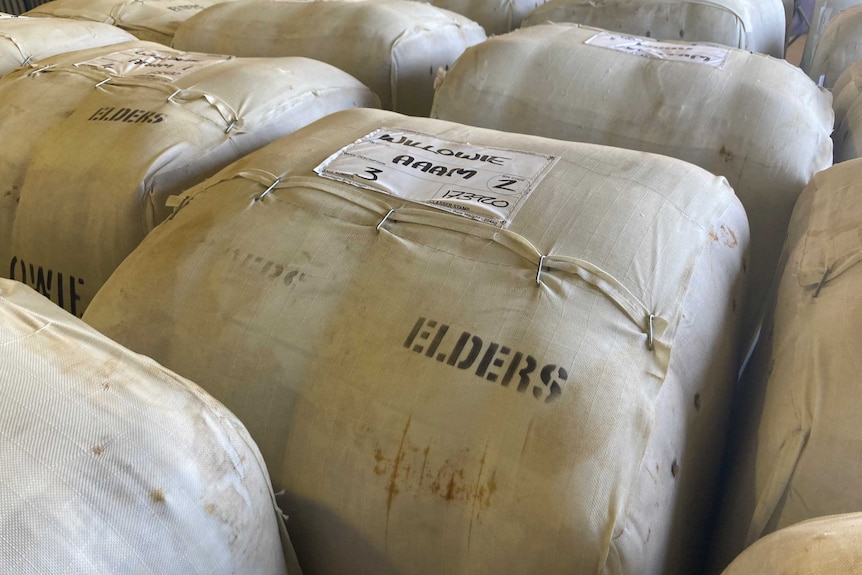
x,y
477,182
714,56
153,64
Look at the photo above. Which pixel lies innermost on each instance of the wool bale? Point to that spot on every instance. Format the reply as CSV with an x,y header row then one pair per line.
x,y
112,464
394,47
151,123
824,12
848,134
38,97
846,90
150,20
840,46
756,120
495,16
23,40
824,546
799,425
472,350
754,25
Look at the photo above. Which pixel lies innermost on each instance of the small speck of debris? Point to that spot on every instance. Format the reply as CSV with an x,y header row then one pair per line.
x,y
98,450
674,468
682,33
157,495
697,401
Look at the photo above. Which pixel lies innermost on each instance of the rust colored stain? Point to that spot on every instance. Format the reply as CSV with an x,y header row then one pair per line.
x,y
424,465
713,236
728,238
380,466
393,479
98,450
157,495
210,508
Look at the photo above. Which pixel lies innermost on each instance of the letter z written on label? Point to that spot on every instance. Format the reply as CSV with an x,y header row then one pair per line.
x,y
482,183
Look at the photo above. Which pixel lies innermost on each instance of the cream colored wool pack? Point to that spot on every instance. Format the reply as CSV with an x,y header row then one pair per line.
x,y
41,96
540,387
848,134
824,546
112,464
823,12
758,121
394,47
801,427
754,25
23,40
840,47
153,123
151,20
495,16
846,90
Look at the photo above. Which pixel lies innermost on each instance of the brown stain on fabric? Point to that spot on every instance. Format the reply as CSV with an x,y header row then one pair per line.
x,y
157,496
725,154
393,479
98,450
412,470
728,238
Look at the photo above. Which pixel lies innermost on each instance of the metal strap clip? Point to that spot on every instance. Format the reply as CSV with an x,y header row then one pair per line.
x,y
383,221
268,190
650,340
230,126
181,205
27,61
103,82
171,97
822,281
539,271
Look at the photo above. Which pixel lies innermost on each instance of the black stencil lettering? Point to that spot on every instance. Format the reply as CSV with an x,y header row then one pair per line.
x,y
414,332
524,374
486,359
436,341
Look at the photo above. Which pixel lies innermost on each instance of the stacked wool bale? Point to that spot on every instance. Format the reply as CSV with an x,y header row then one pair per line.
x,y
840,47
23,40
848,114
460,350
754,25
824,546
845,91
112,464
758,121
151,20
394,47
104,138
799,432
824,12
495,16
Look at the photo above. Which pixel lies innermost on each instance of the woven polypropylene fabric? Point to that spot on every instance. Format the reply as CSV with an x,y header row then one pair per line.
x,y
440,395
755,25
829,545
799,419
111,464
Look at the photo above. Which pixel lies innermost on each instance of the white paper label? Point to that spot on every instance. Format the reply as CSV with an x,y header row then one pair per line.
x,y
162,66
714,56
478,182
